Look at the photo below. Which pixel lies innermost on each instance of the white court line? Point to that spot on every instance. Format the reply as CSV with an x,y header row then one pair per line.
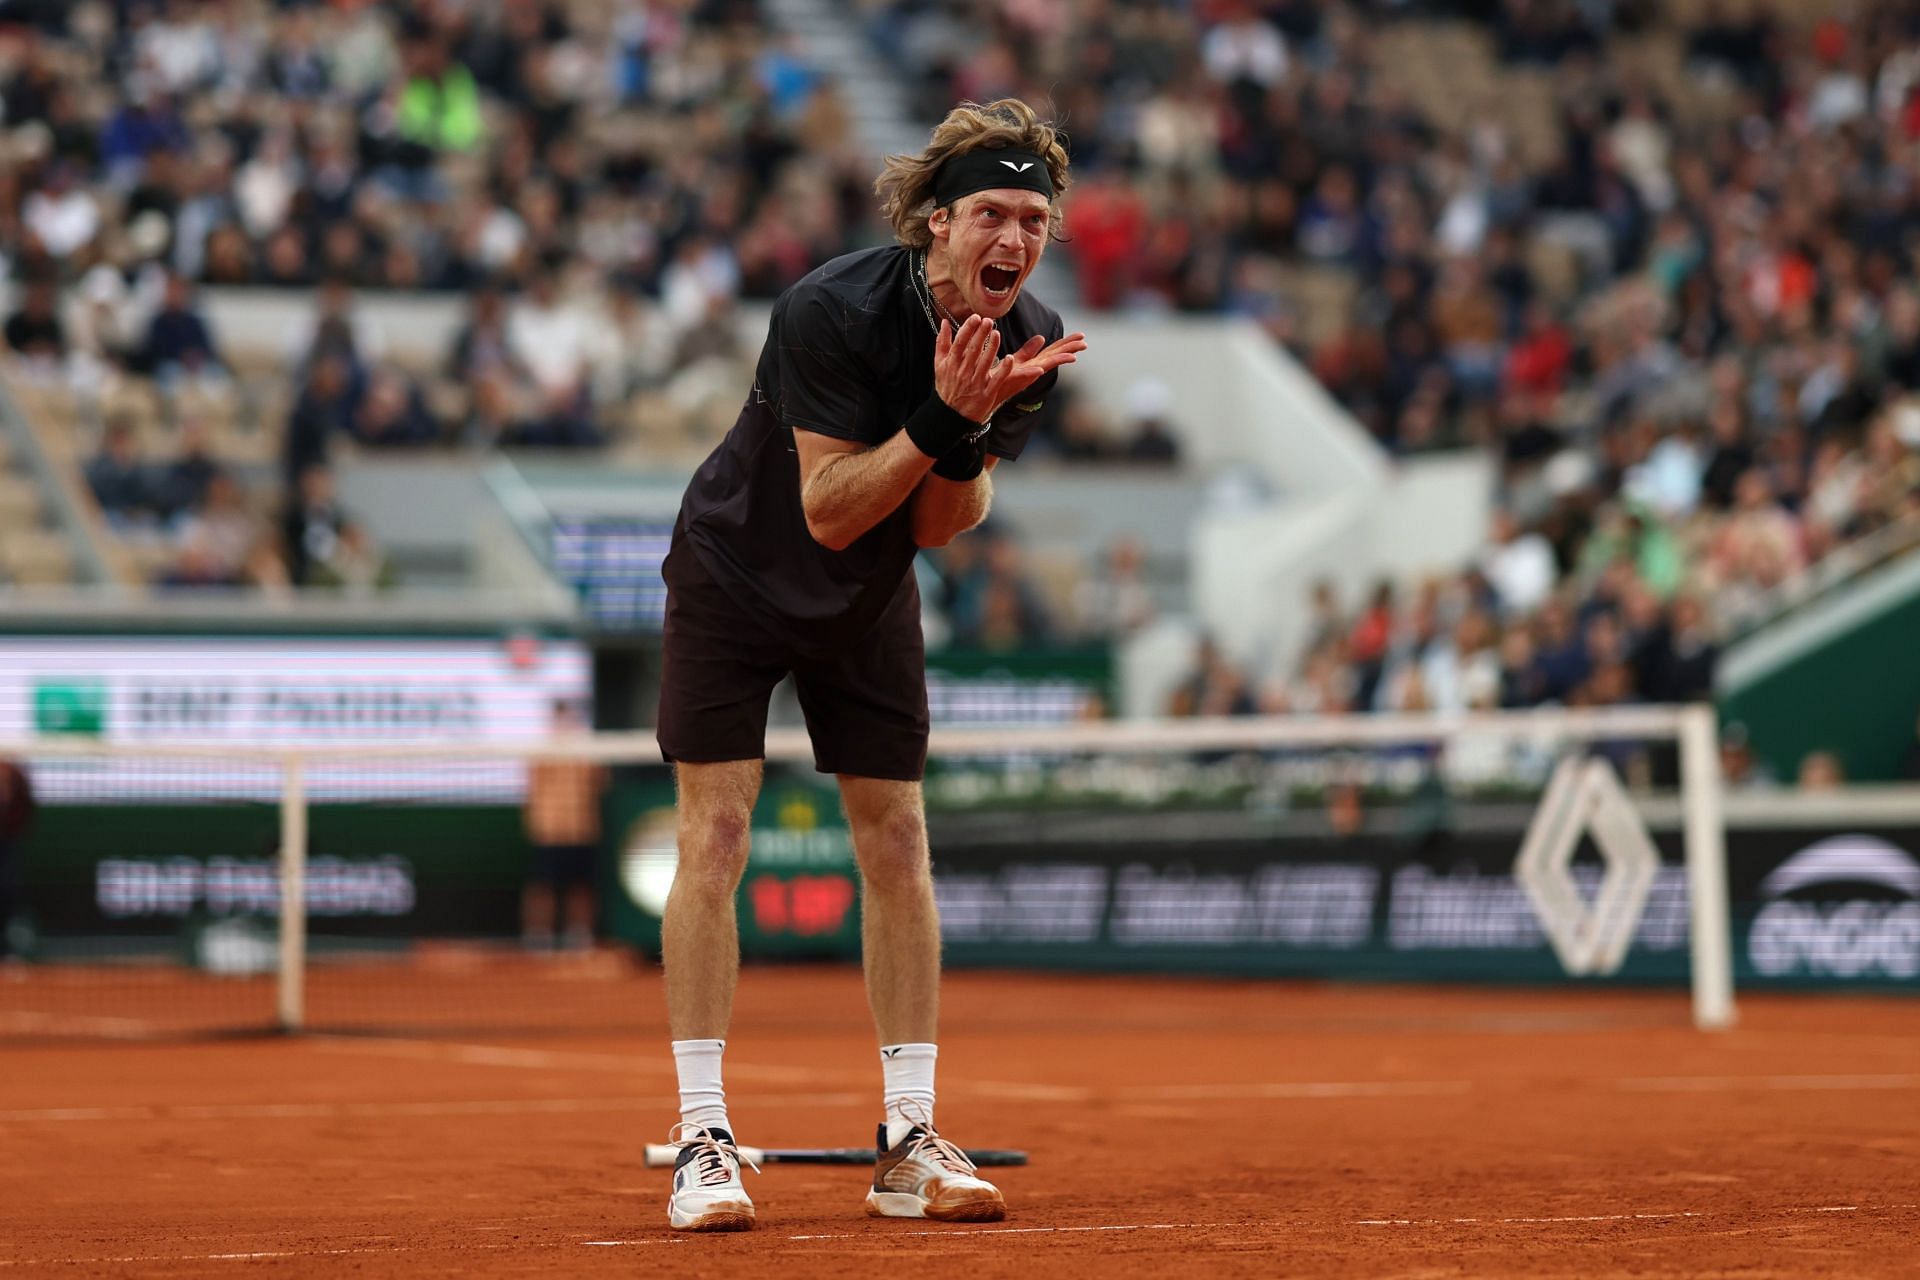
x,y
1300,1089
1276,1091
1580,1217
258,1254
488,1055
344,1110
883,1234
1628,1217
75,1024
1788,1084
545,1059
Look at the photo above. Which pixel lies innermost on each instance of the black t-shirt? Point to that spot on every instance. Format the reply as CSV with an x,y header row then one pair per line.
x,y
849,354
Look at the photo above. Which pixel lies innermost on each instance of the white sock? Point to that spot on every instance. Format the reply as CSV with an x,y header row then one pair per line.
x,y
702,1099
907,1070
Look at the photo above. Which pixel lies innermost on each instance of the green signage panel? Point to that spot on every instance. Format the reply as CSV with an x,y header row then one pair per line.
x,y
70,705
800,892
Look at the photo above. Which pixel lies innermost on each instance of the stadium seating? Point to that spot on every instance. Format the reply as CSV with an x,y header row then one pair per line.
x,y
1482,225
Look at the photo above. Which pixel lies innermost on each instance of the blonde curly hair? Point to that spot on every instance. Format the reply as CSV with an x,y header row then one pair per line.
x,y
905,184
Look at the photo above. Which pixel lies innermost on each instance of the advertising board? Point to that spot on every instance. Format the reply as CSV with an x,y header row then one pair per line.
x,y
282,692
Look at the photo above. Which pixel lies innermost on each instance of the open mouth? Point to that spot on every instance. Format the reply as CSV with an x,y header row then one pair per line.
x,y
998,280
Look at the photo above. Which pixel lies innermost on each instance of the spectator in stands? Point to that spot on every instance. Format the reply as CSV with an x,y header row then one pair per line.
x,y
1822,771
392,414
439,103
222,528
62,217
1739,767
34,332
633,348
1079,435
1002,610
181,484
1519,565
196,567
1109,220
324,410
1328,625
143,124
482,346
1150,437
1216,688
1522,682
312,524
223,544
548,338
100,331
355,565
179,349
121,481
337,327
1563,657
1687,673
1115,601
492,418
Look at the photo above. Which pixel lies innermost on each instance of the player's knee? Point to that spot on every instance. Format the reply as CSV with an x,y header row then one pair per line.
x,y
893,854
713,852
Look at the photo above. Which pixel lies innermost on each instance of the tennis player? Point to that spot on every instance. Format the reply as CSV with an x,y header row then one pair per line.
x,y
891,383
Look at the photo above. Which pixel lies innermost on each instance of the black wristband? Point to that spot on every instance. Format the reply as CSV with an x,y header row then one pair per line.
x,y
962,462
935,428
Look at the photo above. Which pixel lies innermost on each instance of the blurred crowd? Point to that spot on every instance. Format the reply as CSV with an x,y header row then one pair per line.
x,y
987,592
426,144
598,183
1687,329
602,182
1678,302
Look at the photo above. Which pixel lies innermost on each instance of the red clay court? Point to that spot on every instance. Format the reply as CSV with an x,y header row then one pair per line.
x,y
1176,1128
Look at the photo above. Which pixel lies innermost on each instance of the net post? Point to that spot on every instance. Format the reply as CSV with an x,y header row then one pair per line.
x,y
1711,923
291,989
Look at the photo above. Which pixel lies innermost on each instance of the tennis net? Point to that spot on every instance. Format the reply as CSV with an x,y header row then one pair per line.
x,y
164,889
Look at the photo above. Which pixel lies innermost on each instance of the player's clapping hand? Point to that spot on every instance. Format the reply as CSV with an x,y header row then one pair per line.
x,y
971,376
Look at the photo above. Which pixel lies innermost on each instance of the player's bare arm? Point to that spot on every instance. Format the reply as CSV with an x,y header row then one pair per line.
x,y
846,488
943,507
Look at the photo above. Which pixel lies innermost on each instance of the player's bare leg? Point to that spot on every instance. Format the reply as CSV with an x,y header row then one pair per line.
x,y
536,916
700,949
899,925
699,938
577,917
918,1174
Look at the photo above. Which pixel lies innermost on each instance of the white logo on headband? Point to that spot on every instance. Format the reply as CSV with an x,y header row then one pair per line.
x,y
1022,167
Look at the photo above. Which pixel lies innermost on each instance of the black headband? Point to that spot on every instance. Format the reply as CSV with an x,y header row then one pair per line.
x,y
983,170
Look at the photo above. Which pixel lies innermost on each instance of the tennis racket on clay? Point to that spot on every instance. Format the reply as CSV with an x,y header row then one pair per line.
x,y
661,1155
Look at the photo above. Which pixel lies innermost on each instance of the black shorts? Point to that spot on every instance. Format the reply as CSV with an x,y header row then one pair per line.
x,y
865,705
563,864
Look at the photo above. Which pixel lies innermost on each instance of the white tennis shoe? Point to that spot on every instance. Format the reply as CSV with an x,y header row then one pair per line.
x,y
925,1176
707,1192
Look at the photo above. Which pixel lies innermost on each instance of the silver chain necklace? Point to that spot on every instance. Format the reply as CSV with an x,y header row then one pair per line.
x,y
924,292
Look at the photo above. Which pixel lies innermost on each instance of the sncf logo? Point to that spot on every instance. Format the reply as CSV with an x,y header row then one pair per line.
x,y
1022,167
1846,907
